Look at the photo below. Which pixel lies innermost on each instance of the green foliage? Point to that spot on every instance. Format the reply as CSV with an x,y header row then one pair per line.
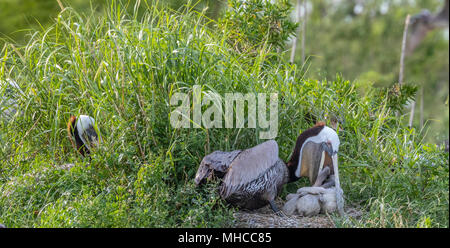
x,y
410,190
255,24
21,18
365,47
397,96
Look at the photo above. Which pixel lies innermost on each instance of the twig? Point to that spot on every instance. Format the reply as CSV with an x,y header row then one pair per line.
x,y
402,56
60,4
402,59
421,107
18,53
29,130
411,116
330,219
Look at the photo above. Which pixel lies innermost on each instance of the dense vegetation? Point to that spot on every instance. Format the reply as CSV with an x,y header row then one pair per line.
x,y
359,40
122,69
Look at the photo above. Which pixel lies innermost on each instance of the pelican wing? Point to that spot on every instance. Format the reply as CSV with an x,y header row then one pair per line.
x,y
249,165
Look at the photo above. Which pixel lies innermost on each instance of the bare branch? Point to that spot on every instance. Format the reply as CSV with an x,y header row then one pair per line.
x,y
60,4
411,116
402,56
304,29
294,42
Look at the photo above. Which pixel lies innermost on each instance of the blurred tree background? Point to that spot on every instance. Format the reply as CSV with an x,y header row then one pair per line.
x,y
360,40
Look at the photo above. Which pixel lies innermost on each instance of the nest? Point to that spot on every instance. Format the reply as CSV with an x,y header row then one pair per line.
x,y
266,218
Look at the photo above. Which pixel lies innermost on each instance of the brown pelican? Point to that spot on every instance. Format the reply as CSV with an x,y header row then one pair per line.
x,y
82,130
252,178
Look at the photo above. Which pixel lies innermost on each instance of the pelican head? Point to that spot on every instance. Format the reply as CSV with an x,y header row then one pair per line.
x,y
81,129
314,147
214,164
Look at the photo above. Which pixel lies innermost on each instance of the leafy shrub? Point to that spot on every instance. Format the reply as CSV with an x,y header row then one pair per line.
x,y
254,24
397,96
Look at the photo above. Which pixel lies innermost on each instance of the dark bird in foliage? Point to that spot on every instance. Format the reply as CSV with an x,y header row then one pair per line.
x,y
254,177
82,134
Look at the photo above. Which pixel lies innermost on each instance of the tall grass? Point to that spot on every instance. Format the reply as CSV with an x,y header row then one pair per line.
x,y
122,70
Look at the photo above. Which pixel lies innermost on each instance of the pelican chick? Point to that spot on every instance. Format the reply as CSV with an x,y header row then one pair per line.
x,y
310,201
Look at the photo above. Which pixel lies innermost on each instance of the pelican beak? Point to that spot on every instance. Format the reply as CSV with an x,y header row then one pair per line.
x,y
202,174
326,147
339,192
334,158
